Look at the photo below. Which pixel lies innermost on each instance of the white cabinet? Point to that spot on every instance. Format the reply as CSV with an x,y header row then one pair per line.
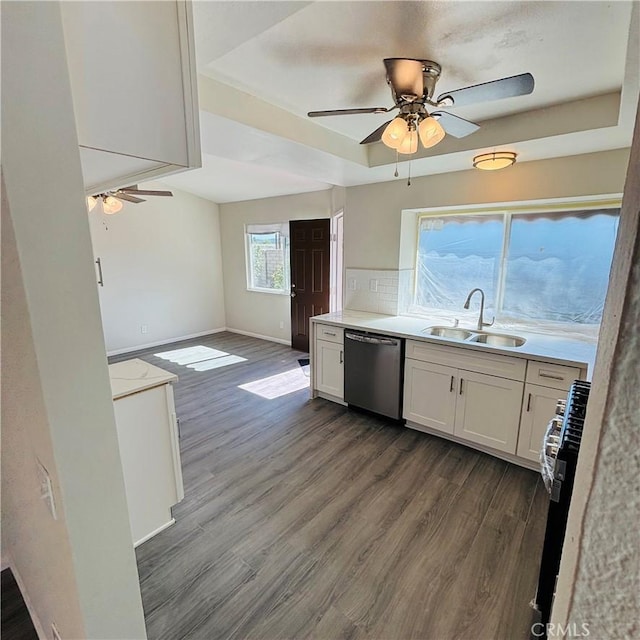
x,y
133,82
430,395
329,368
488,410
149,445
466,400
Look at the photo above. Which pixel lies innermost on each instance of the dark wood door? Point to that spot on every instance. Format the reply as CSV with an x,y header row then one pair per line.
x,y
310,273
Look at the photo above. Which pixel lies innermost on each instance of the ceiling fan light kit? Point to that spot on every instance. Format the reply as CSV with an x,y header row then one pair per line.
x,y
413,84
494,160
112,201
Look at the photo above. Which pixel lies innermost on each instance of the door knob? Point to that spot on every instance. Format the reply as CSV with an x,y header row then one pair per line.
x,y
293,294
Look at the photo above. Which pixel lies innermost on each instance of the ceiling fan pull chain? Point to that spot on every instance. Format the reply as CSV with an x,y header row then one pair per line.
x,y
409,178
396,171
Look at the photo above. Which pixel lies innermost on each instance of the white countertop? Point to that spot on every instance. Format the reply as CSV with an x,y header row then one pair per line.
x,y
132,376
547,348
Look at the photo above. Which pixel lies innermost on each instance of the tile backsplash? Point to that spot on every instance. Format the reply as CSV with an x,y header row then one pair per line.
x,y
377,290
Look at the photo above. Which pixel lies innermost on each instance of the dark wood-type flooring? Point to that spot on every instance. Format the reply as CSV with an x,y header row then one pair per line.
x,y
303,519
16,623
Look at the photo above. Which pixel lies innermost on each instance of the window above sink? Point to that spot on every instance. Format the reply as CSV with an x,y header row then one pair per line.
x,y
544,269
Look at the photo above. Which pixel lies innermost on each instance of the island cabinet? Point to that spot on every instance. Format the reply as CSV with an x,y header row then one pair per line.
x,y
148,439
134,89
473,396
328,362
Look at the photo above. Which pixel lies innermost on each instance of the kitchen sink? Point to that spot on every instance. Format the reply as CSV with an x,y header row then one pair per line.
x,y
448,332
498,340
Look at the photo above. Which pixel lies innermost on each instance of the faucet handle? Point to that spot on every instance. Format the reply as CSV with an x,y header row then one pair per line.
x,y
455,322
489,324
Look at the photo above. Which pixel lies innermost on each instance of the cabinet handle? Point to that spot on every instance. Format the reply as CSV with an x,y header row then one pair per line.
x,y
550,375
100,279
452,381
461,381
341,357
328,333
529,402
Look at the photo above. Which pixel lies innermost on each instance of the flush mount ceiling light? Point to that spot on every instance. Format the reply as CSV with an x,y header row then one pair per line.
x,y
494,160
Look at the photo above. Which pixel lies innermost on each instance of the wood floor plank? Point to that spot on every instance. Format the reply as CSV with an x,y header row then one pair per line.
x,y
305,519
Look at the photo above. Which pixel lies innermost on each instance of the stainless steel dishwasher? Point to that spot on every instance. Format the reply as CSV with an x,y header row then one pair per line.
x,y
373,372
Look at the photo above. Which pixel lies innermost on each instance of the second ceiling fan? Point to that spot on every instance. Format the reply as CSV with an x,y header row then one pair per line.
x,y
413,85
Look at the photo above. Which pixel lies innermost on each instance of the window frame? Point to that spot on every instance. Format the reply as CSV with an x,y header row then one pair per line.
x,y
508,213
281,228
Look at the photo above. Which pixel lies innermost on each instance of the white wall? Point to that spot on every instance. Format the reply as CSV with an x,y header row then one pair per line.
x,y
38,546
80,571
372,236
599,580
249,311
162,267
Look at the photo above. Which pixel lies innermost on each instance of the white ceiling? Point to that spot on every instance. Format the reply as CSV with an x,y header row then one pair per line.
x,y
264,64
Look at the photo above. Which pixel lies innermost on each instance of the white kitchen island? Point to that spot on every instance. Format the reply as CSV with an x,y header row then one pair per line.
x,y
149,446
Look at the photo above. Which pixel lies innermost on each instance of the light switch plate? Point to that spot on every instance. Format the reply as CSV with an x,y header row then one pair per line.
x,y
373,285
46,490
352,284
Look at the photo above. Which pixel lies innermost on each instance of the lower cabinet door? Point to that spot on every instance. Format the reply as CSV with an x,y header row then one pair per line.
x,y
488,410
329,368
430,394
538,407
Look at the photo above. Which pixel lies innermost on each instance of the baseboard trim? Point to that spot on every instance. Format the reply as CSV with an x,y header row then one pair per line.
x,y
25,596
117,352
260,336
166,525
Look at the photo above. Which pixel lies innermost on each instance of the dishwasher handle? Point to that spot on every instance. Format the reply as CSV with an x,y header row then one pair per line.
x,y
358,337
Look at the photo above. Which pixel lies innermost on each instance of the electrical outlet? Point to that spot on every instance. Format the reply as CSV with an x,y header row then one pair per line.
x,y
373,284
46,490
352,284
144,328
282,324
54,632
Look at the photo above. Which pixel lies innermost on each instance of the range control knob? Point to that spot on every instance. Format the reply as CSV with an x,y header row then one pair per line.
x,y
561,405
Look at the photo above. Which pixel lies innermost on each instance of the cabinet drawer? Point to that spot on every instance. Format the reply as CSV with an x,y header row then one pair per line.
x,y
556,376
329,333
467,359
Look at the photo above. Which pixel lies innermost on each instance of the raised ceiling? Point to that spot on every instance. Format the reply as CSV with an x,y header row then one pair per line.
x,y
264,64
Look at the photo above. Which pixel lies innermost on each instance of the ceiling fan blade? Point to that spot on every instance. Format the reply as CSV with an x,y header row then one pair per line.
x,y
128,197
454,125
346,112
405,77
520,85
376,135
144,192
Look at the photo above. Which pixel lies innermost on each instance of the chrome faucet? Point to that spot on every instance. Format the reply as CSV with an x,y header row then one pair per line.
x,y
481,322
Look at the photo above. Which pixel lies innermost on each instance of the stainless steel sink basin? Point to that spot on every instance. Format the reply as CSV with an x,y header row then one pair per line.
x,y
448,332
498,340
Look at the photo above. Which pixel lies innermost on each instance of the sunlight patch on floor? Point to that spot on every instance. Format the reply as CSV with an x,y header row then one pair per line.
x,y
200,358
278,385
216,363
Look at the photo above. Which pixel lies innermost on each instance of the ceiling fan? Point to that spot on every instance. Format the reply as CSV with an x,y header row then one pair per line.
x,y
413,84
112,200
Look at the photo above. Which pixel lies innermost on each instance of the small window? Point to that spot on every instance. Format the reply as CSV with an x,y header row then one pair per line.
x,y
267,257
